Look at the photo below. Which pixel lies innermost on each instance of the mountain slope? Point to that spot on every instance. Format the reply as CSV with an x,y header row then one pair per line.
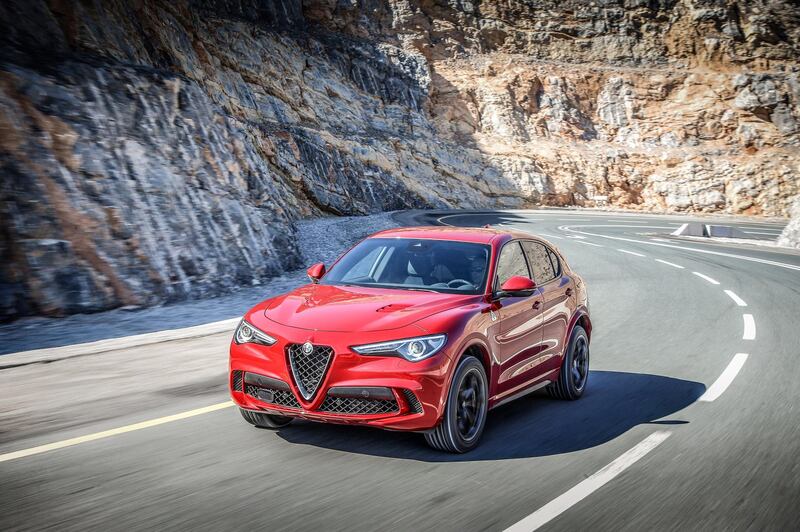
x,y
154,151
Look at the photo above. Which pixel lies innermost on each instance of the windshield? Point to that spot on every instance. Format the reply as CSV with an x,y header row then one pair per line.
x,y
413,264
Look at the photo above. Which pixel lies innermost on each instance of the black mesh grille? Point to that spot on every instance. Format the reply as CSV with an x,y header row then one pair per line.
x,y
412,401
357,405
308,369
279,397
237,380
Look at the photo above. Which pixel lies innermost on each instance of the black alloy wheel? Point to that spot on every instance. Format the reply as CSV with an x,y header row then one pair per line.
x,y
574,374
470,399
580,363
465,412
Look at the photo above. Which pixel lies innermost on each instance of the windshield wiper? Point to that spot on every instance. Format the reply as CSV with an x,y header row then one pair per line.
x,y
419,289
377,285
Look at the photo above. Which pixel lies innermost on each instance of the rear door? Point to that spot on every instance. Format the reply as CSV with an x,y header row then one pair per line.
x,y
559,304
519,342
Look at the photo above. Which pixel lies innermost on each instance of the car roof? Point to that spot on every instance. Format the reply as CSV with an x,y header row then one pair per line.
x,y
480,235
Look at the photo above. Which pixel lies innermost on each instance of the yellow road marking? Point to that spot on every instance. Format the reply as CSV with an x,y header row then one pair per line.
x,y
112,432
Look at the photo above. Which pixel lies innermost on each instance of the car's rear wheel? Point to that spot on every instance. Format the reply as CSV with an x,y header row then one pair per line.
x,y
265,421
574,369
465,412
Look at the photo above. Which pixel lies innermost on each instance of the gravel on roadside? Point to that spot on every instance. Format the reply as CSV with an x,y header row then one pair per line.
x,y
320,240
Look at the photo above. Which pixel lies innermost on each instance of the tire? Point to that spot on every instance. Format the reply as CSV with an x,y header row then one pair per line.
x,y
574,375
471,386
265,421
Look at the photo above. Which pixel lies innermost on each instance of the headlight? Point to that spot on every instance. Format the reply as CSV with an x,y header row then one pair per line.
x,y
247,334
412,349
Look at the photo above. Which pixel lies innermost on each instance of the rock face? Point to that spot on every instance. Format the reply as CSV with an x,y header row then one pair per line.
x,y
791,234
153,151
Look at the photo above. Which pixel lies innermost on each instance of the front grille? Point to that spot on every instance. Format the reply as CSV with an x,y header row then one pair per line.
x,y
308,368
358,406
279,397
412,401
237,380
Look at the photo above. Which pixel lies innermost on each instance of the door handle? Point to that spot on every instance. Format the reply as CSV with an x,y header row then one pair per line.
x,y
568,292
537,305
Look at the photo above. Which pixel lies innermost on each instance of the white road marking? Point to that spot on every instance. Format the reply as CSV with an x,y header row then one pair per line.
x,y
749,327
630,252
677,231
736,299
724,380
670,264
577,237
659,240
706,277
113,432
761,233
688,248
588,486
589,243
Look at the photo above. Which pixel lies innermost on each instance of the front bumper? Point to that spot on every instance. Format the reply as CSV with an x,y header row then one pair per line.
x,y
380,391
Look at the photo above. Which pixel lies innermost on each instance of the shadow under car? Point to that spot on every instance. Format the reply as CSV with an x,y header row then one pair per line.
x,y
531,426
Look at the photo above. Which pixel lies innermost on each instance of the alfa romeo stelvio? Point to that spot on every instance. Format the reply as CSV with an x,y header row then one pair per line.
x,y
418,329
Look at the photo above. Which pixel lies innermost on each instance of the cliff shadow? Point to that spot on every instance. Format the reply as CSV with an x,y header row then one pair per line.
x,y
458,218
537,425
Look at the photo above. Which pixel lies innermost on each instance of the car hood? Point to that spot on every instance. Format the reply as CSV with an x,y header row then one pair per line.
x,y
355,308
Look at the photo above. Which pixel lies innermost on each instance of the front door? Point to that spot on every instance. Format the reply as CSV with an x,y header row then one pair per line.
x,y
518,343
558,301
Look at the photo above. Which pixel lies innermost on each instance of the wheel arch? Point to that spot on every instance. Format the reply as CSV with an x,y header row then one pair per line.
x,y
477,346
479,351
580,317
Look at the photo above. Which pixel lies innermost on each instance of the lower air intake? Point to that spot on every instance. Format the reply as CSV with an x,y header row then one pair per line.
x,y
413,402
273,396
358,406
237,380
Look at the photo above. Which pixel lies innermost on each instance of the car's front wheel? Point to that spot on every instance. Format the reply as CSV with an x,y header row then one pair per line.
x,y
465,412
574,369
265,421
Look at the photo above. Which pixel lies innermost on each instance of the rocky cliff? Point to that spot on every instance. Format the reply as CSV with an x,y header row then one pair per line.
x,y
153,151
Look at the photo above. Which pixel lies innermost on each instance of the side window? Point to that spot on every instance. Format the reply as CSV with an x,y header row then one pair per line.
x,y
511,263
554,260
541,262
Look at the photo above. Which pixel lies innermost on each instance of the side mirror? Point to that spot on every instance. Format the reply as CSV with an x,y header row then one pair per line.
x,y
315,272
517,286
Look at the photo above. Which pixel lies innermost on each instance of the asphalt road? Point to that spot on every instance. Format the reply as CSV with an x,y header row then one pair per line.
x,y
663,336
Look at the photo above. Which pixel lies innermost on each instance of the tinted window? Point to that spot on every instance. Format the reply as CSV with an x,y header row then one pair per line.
x,y
541,263
366,266
413,264
554,260
511,263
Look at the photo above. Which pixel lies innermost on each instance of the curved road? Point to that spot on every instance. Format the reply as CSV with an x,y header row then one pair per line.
x,y
691,418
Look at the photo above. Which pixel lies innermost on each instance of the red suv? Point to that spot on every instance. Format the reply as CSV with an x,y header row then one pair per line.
x,y
418,329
